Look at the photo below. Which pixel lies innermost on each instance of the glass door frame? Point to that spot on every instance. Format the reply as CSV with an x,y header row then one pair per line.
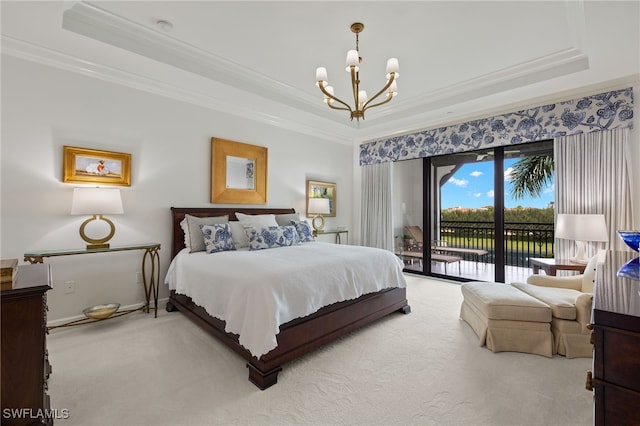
x,y
429,201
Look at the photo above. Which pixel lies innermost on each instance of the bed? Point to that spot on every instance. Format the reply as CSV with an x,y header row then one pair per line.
x,y
296,336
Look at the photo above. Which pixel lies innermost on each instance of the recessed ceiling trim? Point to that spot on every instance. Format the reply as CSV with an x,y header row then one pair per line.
x,y
91,21
99,24
554,65
34,53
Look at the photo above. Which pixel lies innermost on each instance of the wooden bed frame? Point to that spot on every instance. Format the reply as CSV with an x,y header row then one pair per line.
x,y
296,337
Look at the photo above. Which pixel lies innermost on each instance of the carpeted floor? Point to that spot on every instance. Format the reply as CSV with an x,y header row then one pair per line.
x,y
423,368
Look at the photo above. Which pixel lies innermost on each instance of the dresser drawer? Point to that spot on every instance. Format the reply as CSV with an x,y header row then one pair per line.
x,y
619,350
616,406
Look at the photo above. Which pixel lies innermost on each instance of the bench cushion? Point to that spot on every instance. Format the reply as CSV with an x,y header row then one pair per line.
x,y
499,301
436,257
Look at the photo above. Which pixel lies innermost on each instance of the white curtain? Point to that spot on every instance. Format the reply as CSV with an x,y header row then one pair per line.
x,y
592,177
377,221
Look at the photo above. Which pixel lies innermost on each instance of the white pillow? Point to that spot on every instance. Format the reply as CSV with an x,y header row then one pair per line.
x,y
257,221
285,219
185,230
196,238
238,235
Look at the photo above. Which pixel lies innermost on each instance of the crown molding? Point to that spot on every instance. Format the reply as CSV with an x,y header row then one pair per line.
x,y
293,109
535,71
99,24
38,54
91,21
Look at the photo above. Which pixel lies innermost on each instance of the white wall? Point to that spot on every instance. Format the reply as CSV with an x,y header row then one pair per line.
x,y
45,108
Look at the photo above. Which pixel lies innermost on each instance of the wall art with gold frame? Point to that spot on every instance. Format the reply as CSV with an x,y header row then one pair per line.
x,y
82,165
317,189
238,172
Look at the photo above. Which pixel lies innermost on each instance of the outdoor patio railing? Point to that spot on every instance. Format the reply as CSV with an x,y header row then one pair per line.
x,y
522,240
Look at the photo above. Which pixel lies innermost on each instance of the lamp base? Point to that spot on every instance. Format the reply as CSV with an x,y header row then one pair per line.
x,y
318,226
96,243
580,261
581,256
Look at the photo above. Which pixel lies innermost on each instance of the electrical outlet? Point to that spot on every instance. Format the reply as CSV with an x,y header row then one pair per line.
x,y
69,287
139,278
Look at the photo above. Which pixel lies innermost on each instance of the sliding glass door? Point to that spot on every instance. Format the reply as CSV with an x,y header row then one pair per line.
x,y
477,215
463,223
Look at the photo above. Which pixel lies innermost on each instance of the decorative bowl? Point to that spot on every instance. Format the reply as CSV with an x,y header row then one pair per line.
x,y
101,311
631,269
630,238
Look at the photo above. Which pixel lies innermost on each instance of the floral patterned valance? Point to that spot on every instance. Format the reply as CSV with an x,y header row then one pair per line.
x,y
594,113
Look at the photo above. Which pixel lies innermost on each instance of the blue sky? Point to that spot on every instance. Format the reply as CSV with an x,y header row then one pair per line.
x,y
472,186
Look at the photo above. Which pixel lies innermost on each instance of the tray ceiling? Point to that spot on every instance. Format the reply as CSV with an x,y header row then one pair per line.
x,y
258,58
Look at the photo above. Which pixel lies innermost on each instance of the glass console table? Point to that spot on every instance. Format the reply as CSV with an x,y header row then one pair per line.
x,y
150,271
337,233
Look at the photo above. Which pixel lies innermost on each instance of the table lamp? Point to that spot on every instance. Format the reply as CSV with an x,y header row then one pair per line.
x,y
96,202
318,207
581,228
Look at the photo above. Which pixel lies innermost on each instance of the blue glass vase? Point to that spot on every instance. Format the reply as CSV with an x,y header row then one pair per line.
x,y
630,238
631,269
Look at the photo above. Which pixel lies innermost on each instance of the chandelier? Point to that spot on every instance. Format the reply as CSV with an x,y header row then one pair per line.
x,y
361,101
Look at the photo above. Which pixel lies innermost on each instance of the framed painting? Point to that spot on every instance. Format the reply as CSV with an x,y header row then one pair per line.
x,y
325,190
81,165
238,172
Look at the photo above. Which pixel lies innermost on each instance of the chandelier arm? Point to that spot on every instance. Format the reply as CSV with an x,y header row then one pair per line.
x,y
386,86
339,108
389,97
329,95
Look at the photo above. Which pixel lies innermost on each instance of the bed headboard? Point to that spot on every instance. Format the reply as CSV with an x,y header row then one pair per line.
x,y
177,214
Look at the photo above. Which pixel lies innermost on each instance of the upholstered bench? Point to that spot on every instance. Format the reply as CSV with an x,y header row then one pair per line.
x,y
507,319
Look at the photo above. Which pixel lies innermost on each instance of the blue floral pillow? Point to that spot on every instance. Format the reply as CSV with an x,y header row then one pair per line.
x,y
303,229
217,237
272,236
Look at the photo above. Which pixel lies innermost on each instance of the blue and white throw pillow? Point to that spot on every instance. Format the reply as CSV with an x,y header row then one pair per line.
x,y
304,230
272,236
217,237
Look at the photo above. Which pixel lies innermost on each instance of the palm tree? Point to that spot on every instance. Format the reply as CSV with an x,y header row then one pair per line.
x,y
530,176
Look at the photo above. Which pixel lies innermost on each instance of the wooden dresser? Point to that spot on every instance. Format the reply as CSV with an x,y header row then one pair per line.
x,y
616,362
25,365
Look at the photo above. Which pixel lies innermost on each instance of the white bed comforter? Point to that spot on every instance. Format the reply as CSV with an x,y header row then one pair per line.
x,y
255,292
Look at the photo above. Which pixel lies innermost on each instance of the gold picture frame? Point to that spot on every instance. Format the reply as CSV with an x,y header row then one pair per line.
x,y
82,165
318,189
238,172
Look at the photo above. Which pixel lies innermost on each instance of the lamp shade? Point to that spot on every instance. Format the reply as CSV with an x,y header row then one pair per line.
x,y
319,206
96,201
582,227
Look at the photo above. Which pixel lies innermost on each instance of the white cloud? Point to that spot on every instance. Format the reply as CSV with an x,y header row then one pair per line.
x,y
459,182
477,194
476,173
508,174
549,189
490,193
